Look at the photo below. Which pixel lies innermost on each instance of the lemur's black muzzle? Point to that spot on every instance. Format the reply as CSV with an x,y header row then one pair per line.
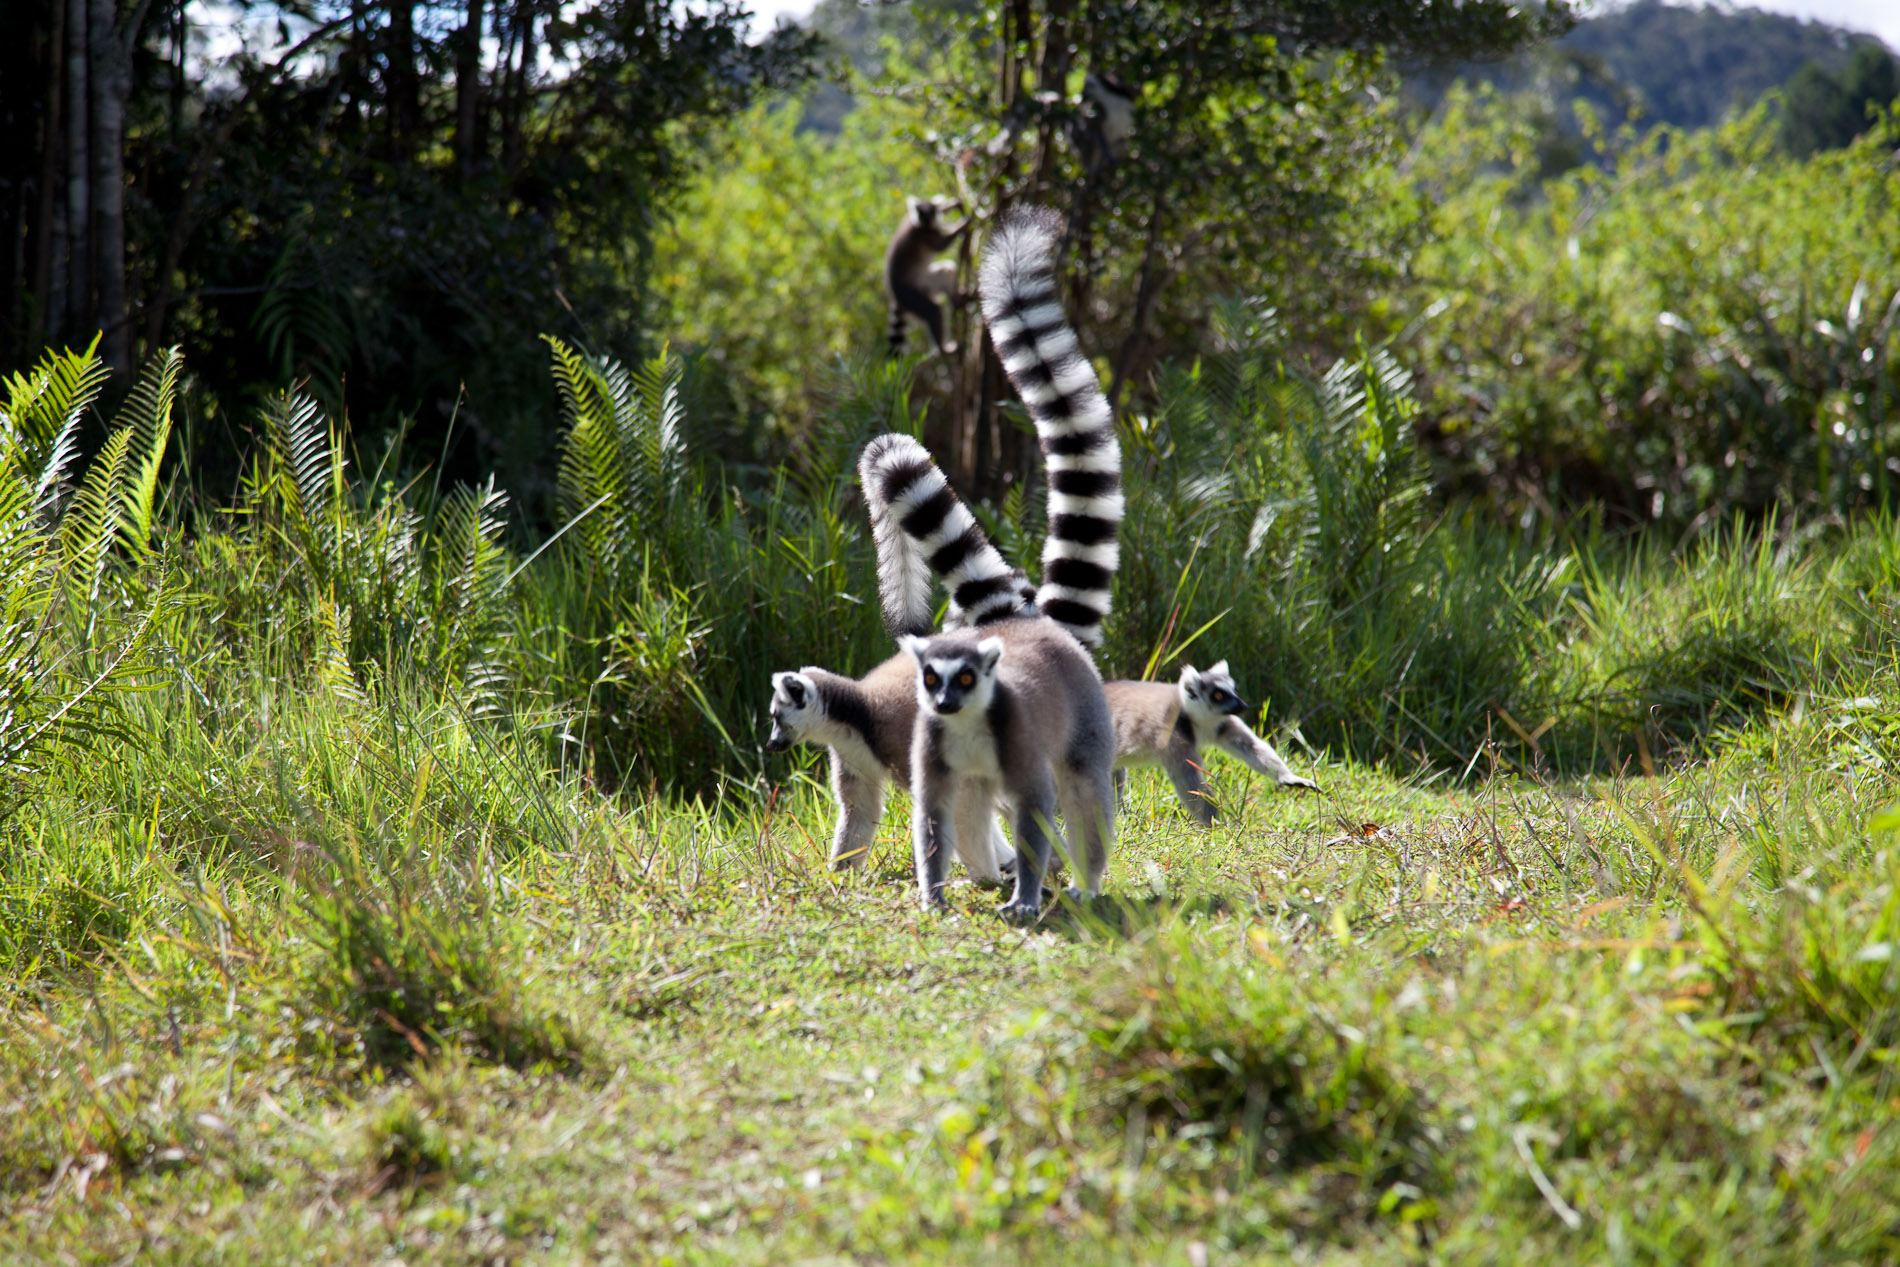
x,y
778,740
1234,704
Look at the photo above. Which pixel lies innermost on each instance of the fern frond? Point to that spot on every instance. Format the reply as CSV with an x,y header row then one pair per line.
x,y
333,654
92,523
147,415
47,402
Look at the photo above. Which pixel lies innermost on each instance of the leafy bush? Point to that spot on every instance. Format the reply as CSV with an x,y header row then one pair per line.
x,y
1697,327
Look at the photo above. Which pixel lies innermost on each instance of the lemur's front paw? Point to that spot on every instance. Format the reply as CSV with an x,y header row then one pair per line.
x,y
1079,896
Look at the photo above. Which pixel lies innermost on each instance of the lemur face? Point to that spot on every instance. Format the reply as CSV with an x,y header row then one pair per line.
x,y
952,677
923,212
795,707
1210,694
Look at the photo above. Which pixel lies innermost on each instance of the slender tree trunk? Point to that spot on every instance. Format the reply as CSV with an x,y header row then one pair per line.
x,y
49,264
514,112
181,30
110,56
79,306
405,89
468,92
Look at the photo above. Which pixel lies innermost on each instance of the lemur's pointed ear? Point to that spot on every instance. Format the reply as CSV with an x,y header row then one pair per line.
x,y
991,650
1190,681
794,688
915,645
1219,670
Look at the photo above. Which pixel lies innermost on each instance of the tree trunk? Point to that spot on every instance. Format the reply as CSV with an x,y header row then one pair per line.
x,y
405,89
79,309
111,56
514,103
468,92
49,265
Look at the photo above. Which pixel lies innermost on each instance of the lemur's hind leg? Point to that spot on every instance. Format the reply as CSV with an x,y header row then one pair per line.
x,y
942,280
920,305
860,807
1183,765
1088,819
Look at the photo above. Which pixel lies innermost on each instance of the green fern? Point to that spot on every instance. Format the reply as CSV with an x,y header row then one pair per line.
x,y
147,415
44,407
1366,485
68,650
623,471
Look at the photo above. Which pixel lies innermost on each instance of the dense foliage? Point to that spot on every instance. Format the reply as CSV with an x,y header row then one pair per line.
x,y
390,201
1701,326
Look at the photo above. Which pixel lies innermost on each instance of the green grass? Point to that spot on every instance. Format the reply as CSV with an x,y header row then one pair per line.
x,y
364,983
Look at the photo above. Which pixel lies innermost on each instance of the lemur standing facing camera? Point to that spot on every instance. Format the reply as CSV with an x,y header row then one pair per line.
x,y
1174,725
922,529
1012,712
913,275
1011,707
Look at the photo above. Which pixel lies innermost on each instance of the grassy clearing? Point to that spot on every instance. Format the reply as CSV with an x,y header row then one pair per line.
x,y
347,1000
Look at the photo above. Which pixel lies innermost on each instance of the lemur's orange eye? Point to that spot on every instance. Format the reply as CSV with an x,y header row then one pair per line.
x,y
966,678
931,679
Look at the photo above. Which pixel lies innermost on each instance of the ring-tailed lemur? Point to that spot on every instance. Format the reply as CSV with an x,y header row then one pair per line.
x,y
1013,711
1172,726
1103,122
1012,706
867,723
914,276
918,523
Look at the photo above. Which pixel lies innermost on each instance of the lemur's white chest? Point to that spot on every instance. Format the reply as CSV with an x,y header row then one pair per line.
x,y
967,745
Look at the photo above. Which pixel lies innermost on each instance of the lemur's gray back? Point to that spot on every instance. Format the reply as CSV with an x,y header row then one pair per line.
x,y
1039,351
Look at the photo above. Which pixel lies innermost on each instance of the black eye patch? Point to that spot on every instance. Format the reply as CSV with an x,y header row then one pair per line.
x,y
930,678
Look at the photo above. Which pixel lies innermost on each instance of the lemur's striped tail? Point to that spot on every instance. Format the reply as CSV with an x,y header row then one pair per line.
x,y
923,531
1038,348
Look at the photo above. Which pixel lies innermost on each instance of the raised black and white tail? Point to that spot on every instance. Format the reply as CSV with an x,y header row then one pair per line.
x,y
1039,351
924,531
